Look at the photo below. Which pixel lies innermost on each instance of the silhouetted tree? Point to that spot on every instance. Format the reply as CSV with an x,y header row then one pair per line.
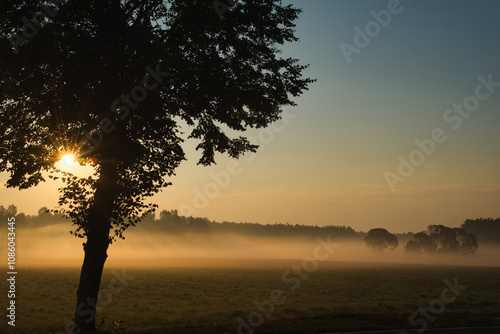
x,y
467,242
452,240
8,212
487,230
421,243
379,239
112,82
444,238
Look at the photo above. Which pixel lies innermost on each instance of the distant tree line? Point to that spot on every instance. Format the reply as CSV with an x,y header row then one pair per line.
x,y
443,239
436,239
43,217
171,222
285,230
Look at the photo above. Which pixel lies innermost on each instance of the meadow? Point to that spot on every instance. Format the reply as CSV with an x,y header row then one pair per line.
x,y
208,296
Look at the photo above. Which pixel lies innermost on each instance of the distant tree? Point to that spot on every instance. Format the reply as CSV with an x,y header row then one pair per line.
x,y
445,238
11,211
452,240
467,242
8,212
421,243
44,212
379,239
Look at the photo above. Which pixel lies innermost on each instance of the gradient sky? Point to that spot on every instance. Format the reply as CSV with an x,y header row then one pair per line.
x,y
327,163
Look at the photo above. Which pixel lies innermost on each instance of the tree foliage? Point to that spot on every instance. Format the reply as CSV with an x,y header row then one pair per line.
x,y
487,230
379,239
421,243
5,213
443,240
75,83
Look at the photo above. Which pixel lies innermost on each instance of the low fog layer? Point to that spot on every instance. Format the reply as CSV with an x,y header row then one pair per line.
x,y
54,246
173,240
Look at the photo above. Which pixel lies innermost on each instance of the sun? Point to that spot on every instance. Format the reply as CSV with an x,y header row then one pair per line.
x,y
70,162
68,159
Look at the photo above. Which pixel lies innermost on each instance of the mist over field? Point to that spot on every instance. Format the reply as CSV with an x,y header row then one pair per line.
x,y
52,245
328,276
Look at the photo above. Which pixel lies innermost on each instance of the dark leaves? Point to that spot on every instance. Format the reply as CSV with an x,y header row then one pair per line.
x,y
60,88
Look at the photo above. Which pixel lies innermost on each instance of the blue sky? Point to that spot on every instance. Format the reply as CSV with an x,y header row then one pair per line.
x,y
327,164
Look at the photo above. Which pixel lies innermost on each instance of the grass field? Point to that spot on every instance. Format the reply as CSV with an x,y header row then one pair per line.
x,y
337,296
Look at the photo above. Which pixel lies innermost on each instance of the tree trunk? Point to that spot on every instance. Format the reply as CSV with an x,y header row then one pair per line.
x,y
95,248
